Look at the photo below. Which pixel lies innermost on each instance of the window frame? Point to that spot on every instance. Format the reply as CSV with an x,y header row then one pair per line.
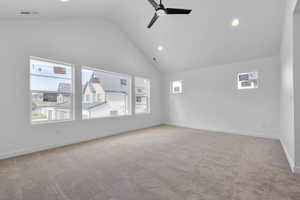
x,y
109,72
171,87
149,96
73,99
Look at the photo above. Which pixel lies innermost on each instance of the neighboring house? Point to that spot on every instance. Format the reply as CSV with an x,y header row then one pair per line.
x,y
53,105
93,96
141,101
141,92
64,92
100,90
93,91
57,112
37,98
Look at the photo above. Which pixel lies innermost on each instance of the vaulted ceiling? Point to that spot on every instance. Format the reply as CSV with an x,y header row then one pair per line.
x,y
297,9
204,38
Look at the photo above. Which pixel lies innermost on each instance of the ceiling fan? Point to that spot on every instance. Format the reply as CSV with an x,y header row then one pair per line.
x,y
161,10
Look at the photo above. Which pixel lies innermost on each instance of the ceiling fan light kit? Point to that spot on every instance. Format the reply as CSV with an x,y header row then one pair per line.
x,y
161,10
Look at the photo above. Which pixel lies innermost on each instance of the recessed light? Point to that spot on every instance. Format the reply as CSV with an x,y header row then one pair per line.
x,y
64,1
235,22
160,48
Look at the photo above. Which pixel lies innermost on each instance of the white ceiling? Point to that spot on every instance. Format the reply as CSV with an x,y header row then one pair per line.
x,y
204,38
297,9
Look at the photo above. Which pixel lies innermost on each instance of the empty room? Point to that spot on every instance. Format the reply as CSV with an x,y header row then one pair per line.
x,y
150,100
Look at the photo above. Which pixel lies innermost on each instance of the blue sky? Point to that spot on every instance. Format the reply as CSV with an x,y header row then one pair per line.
x,y
43,77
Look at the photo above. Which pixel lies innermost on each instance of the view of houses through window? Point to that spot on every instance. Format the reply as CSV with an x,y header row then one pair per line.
x,y
51,87
176,87
105,94
248,80
142,95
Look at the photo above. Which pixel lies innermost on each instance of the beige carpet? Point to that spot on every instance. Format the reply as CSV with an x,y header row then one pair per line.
x,y
162,163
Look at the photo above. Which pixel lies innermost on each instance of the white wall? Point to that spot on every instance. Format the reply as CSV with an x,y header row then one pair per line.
x,y
287,128
297,88
211,101
90,42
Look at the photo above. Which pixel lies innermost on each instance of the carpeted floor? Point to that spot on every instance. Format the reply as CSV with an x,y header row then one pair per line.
x,y
161,163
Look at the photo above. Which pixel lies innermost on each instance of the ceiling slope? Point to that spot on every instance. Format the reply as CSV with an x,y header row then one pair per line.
x,y
204,38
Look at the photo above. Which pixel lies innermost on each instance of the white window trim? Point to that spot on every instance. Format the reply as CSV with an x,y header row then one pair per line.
x,y
110,72
149,97
73,92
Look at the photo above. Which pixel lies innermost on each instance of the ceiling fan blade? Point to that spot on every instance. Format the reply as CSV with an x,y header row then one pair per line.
x,y
171,11
153,20
153,3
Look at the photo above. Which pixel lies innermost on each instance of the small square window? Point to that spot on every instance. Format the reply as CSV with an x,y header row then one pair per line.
x,y
176,87
248,80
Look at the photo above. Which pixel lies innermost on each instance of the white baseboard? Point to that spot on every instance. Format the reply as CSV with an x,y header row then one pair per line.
x,y
229,131
289,158
297,170
21,152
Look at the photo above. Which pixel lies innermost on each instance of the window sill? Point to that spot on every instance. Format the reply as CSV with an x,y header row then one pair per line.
x,y
108,117
177,93
50,122
145,113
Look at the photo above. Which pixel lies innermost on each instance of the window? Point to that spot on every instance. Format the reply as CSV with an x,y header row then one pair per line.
x,y
51,85
142,95
176,87
110,92
248,80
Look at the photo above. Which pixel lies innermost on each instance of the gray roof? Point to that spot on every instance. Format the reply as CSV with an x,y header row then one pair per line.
x,y
88,106
88,84
106,84
64,88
